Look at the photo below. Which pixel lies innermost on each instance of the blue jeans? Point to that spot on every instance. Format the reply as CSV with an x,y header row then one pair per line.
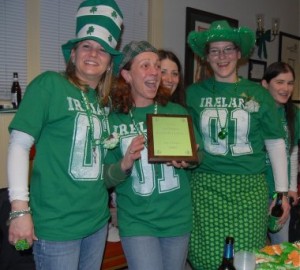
x,y
159,253
82,254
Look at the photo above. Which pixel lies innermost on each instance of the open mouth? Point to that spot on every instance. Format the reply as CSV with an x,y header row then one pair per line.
x,y
152,84
91,62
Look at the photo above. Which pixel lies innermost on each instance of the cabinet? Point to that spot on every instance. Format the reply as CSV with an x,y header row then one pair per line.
x,y
5,119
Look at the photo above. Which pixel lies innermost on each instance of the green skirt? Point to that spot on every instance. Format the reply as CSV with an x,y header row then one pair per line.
x,y
226,205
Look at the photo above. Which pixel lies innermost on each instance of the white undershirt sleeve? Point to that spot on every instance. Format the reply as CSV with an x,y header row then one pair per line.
x,y
19,147
294,168
277,153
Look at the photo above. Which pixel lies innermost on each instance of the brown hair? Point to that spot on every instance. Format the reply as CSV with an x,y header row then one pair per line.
x,y
273,71
179,94
121,97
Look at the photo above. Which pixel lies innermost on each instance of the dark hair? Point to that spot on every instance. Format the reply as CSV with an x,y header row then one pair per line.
x,y
179,94
121,96
273,71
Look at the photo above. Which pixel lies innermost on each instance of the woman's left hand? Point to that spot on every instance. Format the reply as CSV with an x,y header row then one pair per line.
x,y
286,210
179,164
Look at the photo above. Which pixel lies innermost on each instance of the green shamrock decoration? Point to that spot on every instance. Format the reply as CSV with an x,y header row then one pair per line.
x,y
114,14
93,10
22,245
90,30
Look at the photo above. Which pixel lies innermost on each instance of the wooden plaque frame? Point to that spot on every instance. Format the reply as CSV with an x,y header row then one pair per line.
x,y
174,132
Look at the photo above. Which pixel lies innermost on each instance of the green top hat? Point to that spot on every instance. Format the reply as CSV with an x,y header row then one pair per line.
x,y
243,37
98,20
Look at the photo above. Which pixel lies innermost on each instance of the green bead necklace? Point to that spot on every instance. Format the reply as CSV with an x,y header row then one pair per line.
x,y
223,129
88,110
137,128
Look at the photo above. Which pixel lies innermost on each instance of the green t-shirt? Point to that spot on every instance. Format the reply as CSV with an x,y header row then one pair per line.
x,y
156,199
269,172
67,195
248,113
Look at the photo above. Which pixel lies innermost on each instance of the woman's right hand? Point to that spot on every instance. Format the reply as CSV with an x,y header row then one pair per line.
x,y
133,152
294,196
21,227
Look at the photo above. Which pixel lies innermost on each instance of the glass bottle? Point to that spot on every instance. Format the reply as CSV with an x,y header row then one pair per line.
x,y
227,261
16,92
275,215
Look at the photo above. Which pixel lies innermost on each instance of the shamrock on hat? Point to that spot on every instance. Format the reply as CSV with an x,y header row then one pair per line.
x,y
243,37
98,20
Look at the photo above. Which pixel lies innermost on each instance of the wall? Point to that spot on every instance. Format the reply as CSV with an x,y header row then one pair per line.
x,y
5,119
242,10
167,23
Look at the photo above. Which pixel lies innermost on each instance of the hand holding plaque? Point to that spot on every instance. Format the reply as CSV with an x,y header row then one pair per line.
x,y
171,137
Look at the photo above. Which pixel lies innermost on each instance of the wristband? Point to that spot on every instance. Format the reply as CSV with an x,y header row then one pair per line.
x,y
16,214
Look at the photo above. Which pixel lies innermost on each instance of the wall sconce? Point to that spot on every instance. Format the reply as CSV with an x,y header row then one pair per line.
x,y
260,20
262,36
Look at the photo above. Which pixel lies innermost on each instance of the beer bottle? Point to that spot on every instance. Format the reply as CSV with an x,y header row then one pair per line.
x,y
227,261
16,92
275,215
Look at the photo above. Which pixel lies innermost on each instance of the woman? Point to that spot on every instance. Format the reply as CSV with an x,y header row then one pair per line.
x,y
236,119
171,75
60,113
154,203
279,79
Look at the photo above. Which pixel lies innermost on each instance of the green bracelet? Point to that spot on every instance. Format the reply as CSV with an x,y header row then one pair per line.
x,y
22,245
285,194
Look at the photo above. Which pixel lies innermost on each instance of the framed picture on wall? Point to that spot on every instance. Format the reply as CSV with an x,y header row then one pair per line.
x,y
256,69
289,52
196,68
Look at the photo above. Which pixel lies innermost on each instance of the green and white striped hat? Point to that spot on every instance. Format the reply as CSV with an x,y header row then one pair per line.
x,y
98,20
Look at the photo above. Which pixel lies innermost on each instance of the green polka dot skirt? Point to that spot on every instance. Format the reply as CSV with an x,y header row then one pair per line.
x,y
226,205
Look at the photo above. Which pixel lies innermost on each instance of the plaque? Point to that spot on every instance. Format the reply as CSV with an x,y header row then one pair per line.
x,y
171,137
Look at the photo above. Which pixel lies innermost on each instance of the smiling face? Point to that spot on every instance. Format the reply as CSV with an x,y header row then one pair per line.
x,y
169,74
281,87
223,57
144,78
91,61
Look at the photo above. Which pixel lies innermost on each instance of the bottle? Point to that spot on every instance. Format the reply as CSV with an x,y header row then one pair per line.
x,y
227,261
16,92
275,215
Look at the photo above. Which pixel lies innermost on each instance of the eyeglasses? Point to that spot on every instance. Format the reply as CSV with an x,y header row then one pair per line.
x,y
226,51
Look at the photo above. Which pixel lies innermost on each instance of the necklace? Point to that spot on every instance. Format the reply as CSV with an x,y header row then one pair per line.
x,y
222,134
137,128
95,142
